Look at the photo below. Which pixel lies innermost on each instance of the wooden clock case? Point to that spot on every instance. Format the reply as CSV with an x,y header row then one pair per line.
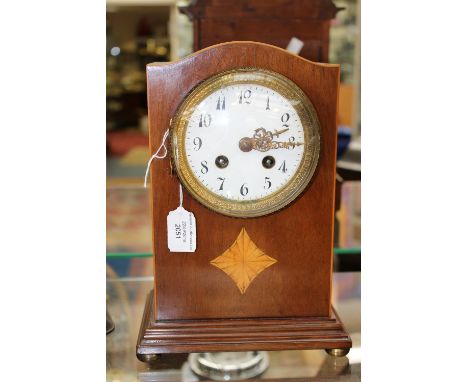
x,y
196,307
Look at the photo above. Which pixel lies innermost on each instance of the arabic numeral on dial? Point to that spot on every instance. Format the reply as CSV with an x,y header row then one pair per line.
x,y
222,184
283,167
244,190
205,120
204,168
245,97
285,118
267,185
198,143
221,104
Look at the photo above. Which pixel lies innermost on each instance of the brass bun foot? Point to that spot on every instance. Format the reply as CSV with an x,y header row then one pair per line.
x,y
148,358
337,352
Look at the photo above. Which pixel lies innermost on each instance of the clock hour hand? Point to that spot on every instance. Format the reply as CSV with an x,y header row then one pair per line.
x,y
262,140
261,133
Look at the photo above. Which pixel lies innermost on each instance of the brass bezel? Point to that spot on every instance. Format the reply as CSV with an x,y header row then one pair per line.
x,y
298,182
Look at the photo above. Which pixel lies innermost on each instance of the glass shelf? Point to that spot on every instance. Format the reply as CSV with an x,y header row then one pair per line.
x,y
137,255
125,303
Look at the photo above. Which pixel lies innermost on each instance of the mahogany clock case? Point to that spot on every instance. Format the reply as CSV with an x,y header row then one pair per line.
x,y
191,291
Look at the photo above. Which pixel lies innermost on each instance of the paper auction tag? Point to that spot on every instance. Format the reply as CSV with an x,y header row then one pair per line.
x,y
181,231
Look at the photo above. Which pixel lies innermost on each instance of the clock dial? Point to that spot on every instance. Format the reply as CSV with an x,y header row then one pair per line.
x,y
246,142
224,137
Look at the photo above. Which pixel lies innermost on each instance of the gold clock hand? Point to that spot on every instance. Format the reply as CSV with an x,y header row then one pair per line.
x,y
247,144
263,133
277,133
262,140
284,145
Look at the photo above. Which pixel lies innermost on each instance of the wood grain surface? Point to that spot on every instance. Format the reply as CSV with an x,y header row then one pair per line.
x,y
183,336
299,237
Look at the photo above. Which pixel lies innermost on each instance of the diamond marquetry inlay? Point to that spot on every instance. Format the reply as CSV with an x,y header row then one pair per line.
x,y
243,261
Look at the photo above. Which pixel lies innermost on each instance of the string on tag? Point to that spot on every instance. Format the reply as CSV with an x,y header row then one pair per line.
x,y
156,155
181,195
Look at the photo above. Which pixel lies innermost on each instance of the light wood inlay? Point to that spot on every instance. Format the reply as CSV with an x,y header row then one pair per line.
x,y
243,261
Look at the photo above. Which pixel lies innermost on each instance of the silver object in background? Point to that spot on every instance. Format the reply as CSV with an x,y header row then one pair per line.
x,y
229,366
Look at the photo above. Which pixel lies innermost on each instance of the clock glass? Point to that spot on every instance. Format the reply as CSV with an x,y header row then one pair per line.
x,y
246,142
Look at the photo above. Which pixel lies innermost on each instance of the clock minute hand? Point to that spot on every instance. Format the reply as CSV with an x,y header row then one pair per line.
x,y
284,145
262,140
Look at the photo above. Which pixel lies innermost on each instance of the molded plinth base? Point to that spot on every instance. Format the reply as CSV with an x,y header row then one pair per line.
x,y
224,335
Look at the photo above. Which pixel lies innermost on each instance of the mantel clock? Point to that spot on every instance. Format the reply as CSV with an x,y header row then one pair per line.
x,y
252,135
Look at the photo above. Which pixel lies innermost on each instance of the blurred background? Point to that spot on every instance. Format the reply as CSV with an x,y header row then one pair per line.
x,y
142,31
139,32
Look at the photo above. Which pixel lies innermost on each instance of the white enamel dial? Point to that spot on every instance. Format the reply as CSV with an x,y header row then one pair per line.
x,y
222,120
246,142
